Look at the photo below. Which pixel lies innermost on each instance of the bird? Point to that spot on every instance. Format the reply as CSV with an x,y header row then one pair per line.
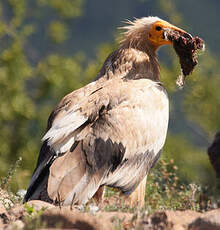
x,y
110,132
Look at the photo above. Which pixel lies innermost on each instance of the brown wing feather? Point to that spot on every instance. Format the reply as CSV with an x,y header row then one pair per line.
x,y
65,173
47,154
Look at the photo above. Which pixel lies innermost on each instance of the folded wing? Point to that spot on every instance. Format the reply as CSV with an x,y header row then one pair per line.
x,y
110,137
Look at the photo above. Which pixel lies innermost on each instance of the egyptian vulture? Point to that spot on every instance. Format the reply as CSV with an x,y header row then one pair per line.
x,y
112,131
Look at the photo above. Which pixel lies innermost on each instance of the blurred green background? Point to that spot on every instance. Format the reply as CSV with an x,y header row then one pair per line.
x,y
50,47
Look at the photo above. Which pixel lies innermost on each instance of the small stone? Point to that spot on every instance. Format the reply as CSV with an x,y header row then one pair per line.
x,y
81,207
93,209
207,221
18,224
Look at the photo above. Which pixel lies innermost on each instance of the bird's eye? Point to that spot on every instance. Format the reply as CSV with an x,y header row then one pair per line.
x,y
158,28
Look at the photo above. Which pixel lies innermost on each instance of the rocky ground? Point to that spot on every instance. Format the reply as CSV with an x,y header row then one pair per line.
x,y
41,215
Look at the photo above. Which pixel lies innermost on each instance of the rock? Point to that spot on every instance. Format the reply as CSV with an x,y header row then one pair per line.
x,y
175,220
66,218
93,209
158,220
3,210
2,225
4,217
207,221
181,220
117,219
96,219
39,204
18,224
19,210
16,212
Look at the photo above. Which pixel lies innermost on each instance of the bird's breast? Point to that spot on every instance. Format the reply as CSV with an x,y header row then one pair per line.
x,y
140,122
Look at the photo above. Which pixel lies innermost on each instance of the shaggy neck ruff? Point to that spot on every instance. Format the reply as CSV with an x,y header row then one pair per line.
x,y
136,57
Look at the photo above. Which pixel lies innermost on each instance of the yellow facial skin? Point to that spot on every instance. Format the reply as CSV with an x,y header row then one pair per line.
x,y
156,33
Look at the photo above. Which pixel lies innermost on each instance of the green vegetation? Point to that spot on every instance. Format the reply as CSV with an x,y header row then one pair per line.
x,y
167,191
37,70
32,219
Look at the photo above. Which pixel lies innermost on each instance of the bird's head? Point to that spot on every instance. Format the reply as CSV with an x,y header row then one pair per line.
x,y
149,30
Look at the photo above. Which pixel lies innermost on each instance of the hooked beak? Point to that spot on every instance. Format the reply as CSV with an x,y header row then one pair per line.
x,y
160,31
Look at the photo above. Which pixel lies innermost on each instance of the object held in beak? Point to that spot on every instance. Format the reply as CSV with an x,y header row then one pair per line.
x,y
185,46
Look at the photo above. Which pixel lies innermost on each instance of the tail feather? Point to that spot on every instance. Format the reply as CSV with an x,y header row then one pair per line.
x,y
40,176
70,181
83,190
65,172
63,178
